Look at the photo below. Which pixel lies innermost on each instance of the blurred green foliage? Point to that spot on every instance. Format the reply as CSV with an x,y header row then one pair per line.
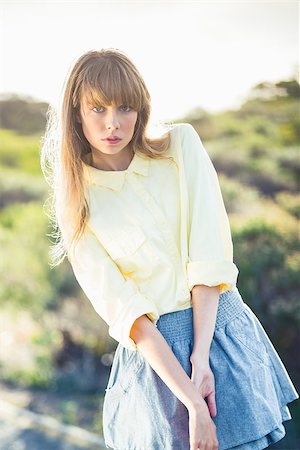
x,y
25,278
22,114
20,152
255,150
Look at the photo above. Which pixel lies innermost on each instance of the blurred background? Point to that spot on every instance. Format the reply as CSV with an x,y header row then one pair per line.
x,y
231,69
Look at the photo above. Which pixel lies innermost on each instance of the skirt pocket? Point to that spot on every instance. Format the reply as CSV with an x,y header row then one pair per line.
x,y
244,329
117,403
125,366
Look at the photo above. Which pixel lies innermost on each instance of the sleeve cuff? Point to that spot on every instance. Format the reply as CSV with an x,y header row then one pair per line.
x,y
137,306
212,273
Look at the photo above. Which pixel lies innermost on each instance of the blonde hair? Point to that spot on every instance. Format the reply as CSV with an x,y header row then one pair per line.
x,y
102,77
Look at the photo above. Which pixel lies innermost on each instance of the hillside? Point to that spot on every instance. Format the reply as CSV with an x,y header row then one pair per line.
x,y
53,339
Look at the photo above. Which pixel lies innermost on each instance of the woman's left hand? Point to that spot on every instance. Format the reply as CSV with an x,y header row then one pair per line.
x,y
204,380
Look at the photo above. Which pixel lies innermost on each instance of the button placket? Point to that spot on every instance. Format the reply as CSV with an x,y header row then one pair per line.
x,y
159,218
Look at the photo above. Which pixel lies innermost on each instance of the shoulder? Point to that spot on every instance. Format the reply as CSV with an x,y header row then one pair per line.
x,y
185,135
181,134
181,129
186,142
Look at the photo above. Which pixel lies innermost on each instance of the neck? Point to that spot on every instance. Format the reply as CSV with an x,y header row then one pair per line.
x,y
119,161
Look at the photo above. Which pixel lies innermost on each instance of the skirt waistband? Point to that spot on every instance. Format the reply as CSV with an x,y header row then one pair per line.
x,y
178,325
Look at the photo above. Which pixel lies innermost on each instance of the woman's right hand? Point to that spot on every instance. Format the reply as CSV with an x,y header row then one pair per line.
x,y
202,429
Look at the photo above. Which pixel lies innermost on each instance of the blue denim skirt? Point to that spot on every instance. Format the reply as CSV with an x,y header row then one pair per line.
x,y
252,386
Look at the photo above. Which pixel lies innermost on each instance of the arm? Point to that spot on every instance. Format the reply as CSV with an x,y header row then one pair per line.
x,y
159,354
210,267
205,302
210,247
116,298
130,315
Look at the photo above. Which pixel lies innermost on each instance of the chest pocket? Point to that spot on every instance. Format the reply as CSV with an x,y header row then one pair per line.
x,y
123,242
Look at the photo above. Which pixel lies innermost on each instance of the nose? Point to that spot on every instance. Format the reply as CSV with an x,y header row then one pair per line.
x,y
112,120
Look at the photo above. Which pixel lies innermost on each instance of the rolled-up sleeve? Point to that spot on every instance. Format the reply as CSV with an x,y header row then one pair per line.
x,y
115,298
210,244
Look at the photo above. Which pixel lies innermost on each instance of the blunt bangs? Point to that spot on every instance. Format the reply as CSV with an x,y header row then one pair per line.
x,y
110,84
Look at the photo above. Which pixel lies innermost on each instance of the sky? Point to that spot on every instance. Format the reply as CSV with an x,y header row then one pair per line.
x,y
191,54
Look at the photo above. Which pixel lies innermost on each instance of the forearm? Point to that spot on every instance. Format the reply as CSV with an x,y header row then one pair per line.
x,y
205,302
153,346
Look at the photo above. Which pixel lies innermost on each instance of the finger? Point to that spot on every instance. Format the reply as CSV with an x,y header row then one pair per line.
x,y
193,445
211,402
193,375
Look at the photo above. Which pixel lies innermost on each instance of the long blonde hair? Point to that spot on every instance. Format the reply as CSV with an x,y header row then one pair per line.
x,y
102,77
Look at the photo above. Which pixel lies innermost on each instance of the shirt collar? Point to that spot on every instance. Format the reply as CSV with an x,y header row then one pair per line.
x,y
114,179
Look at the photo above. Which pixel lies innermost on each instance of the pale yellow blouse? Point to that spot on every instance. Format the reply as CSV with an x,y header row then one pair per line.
x,y
155,230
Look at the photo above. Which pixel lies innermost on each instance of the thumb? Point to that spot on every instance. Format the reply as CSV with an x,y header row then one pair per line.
x,y
211,402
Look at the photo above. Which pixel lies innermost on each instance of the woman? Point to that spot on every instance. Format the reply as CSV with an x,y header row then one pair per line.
x,y
143,223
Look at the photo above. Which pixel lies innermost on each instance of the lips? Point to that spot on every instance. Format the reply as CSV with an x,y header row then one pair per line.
x,y
115,139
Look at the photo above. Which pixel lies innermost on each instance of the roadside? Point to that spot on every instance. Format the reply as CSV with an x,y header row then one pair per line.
x,y
21,429
24,429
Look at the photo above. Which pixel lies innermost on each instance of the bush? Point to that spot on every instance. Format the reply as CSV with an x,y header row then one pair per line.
x,y
20,152
25,278
22,114
269,259
19,187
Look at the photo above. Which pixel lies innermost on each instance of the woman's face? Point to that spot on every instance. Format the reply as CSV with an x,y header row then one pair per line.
x,y
100,123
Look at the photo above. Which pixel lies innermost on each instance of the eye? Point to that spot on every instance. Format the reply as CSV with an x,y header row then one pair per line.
x,y
125,106
97,107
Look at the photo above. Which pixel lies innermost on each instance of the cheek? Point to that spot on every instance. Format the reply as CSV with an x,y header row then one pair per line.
x,y
131,123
